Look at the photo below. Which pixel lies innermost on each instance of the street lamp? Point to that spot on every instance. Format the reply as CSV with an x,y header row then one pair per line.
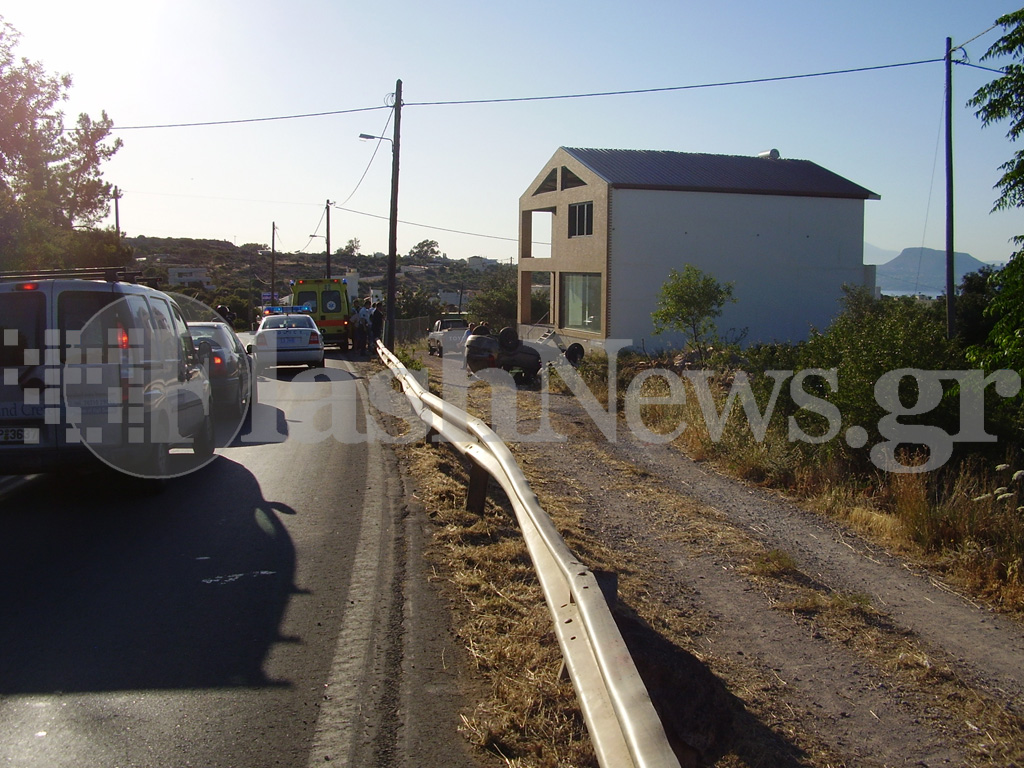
x,y
389,322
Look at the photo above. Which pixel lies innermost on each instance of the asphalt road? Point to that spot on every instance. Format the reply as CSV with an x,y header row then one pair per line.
x,y
269,609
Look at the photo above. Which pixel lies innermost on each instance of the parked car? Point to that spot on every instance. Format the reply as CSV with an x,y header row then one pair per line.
x,y
287,339
96,366
229,366
505,351
445,331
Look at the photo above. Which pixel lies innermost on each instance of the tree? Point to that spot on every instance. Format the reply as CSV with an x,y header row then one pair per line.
x,y
689,302
497,301
351,249
418,302
50,180
1003,99
1004,347
424,251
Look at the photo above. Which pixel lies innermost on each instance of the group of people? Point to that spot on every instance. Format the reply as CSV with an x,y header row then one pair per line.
x,y
367,325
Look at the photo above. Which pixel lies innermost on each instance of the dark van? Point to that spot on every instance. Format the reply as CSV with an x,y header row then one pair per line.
x,y
96,366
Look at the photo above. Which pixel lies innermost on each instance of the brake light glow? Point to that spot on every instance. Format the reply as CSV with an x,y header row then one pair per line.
x,y
27,287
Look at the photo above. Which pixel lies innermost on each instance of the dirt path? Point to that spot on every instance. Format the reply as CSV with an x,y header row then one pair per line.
x,y
845,653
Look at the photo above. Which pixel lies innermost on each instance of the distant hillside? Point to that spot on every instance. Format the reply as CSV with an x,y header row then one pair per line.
x,y
923,270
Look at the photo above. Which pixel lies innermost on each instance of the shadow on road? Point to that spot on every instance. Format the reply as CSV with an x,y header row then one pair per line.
x,y
105,589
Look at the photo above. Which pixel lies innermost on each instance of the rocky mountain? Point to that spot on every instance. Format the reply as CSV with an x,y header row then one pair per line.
x,y
922,270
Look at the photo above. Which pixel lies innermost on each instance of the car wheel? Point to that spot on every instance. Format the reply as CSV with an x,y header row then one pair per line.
x,y
574,354
508,339
203,442
238,402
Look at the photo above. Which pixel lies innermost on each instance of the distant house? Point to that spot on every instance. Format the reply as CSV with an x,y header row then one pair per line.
x,y
480,263
788,234
188,276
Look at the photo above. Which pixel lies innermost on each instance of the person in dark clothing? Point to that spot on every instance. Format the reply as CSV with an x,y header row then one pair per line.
x,y
376,325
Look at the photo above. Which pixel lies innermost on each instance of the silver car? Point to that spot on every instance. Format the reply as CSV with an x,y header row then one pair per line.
x,y
287,339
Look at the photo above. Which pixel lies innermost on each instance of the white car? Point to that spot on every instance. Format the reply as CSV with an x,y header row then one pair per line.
x,y
288,339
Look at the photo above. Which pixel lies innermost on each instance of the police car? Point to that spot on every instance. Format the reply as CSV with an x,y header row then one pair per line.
x,y
287,335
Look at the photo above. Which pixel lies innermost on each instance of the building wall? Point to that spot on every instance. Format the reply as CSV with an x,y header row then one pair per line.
x,y
568,254
788,258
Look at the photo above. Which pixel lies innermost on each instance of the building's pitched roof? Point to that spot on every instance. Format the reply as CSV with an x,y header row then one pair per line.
x,y
696,172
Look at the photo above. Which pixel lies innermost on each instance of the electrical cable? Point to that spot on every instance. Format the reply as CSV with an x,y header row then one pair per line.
x,y
540,98
366,170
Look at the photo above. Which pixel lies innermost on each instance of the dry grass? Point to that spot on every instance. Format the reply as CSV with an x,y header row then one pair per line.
x,y
968,523
531,717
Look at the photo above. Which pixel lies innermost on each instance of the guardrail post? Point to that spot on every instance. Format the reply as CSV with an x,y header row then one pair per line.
x,y
476,496
608,581
428,439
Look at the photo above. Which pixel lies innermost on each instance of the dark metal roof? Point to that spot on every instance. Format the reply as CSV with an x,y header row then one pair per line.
x,y
651,169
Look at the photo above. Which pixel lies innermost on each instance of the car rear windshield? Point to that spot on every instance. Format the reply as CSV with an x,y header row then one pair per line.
x,y
288,321
215,334
22,326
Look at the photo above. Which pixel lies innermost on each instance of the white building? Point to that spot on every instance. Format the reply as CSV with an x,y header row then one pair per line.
x,y
480,263
189,275
788,234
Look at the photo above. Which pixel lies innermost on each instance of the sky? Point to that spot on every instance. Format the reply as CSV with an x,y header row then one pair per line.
x,y
463,167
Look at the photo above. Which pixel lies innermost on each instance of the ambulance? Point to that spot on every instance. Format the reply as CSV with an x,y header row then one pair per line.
x,y
328,302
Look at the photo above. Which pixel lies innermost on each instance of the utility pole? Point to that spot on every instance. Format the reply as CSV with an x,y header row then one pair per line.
x,y
950,279
117,215
328,240
273,263
389,321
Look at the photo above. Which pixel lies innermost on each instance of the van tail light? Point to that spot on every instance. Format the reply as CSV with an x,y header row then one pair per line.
x,y
122,345
27,287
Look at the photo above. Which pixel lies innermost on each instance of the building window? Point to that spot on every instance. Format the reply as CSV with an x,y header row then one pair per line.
x,y
580,301
581,219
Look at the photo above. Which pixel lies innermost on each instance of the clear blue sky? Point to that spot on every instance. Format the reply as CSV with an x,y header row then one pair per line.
x,y
154,62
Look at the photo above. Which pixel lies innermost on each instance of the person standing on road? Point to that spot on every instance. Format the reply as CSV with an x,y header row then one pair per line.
x,y
376,325
366,319
358,333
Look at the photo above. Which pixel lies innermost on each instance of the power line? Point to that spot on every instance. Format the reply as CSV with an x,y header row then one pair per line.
x,y
430,226
367,169
561,97
246,119
672,88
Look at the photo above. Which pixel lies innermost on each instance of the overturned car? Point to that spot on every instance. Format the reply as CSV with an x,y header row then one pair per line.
x,y
510,353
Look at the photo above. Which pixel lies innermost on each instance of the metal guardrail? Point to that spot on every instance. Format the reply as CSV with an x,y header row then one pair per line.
x,y
623,724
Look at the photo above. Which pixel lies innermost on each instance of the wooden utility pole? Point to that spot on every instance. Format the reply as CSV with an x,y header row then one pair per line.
x,y
389,321
273,263
328,240
117,215
950,274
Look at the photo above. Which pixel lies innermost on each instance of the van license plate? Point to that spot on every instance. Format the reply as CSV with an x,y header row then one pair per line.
x,y
12,434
